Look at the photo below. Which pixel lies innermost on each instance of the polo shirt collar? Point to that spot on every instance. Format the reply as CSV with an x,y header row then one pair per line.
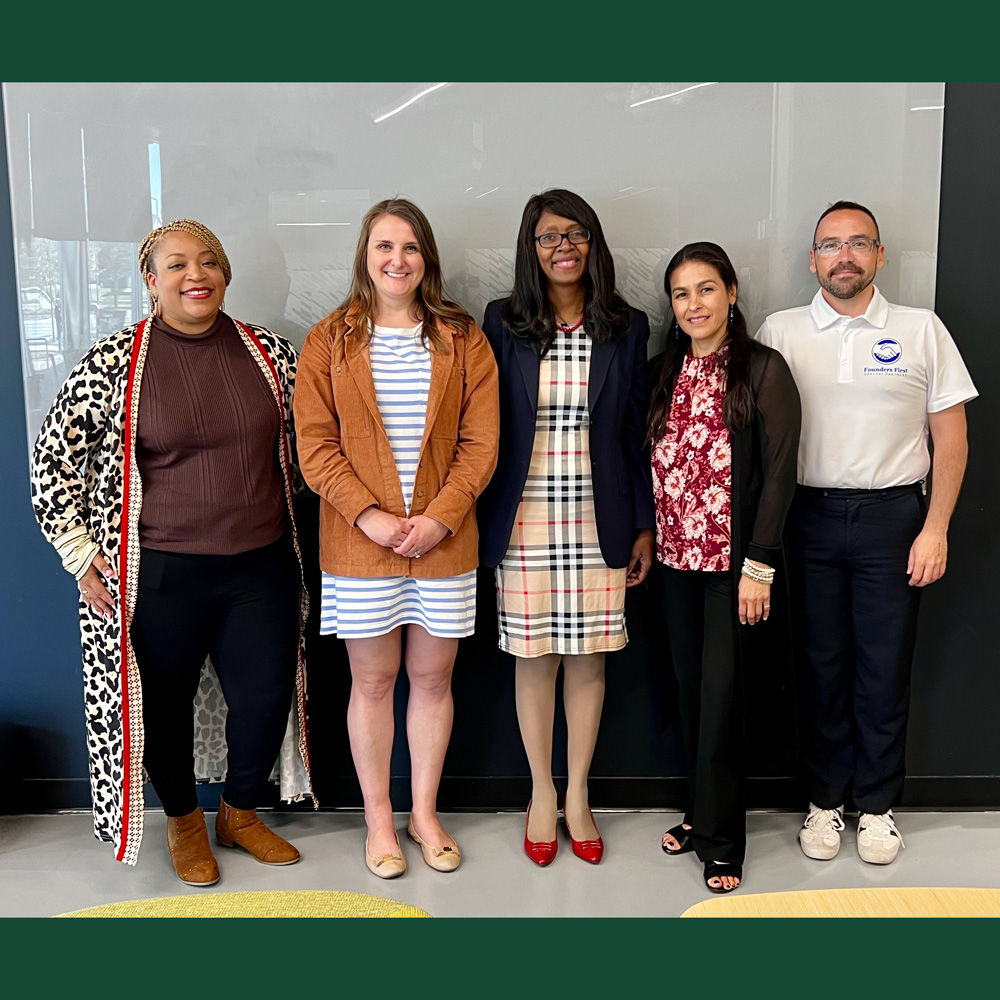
x,y
824,315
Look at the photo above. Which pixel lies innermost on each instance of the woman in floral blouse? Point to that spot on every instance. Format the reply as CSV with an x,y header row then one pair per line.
x,y
724,429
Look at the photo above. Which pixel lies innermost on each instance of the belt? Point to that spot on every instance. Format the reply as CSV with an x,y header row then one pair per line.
x,y
831,491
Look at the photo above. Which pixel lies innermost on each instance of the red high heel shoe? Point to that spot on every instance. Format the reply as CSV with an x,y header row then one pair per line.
x,y
589,850
542,852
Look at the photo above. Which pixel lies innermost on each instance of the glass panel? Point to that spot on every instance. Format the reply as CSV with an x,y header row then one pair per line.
x,y
72,293
283,173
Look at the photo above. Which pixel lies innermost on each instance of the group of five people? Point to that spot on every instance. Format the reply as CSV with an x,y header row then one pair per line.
x,y
544,446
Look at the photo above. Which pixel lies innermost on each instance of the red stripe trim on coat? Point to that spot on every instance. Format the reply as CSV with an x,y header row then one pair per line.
x,y
123,597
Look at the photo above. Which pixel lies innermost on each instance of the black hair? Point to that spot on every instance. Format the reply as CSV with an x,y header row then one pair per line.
x,y
527,312
850,206
738,408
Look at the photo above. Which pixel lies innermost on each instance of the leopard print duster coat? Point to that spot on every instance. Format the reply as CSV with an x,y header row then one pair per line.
x,y
84,477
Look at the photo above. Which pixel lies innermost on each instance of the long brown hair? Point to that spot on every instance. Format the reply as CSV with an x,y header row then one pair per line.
x,y
739,406
430,293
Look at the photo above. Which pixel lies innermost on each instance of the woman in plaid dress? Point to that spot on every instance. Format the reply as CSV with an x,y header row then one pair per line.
x,y
568,519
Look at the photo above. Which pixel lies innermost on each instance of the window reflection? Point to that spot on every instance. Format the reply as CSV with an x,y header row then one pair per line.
x,y
72,293
283,173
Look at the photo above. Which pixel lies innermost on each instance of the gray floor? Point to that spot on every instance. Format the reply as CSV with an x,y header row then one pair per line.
x,y
51,864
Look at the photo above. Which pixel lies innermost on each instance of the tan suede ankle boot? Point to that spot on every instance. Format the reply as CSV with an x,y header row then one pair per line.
x,y
187,844
244,828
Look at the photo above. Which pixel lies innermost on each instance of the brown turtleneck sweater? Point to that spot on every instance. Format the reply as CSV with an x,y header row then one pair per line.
x,y
206,445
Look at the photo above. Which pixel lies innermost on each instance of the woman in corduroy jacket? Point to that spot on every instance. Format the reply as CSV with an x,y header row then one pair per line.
x,y
396,409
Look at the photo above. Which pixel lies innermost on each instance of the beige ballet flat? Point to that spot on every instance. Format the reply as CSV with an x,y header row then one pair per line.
x,y
441,859
387,866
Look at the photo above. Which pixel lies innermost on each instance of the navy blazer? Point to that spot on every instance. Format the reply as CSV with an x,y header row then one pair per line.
x,y
619,460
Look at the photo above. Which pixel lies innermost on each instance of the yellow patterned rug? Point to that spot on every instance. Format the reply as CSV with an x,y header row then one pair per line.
x,y
870,901
302,903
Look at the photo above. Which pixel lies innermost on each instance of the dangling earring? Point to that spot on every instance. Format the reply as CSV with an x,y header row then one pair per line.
x,y
677,330
154,305
222,308
732,307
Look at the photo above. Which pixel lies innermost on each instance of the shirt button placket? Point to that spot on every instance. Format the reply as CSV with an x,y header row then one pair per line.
x,y
845,371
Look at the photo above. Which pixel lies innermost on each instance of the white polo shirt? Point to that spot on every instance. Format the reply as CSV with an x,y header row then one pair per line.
x,y
867,385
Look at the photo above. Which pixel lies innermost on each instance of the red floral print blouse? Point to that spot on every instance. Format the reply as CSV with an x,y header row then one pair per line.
x,y
692,470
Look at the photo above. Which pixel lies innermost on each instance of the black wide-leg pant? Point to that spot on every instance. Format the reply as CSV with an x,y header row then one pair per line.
x,y
700,613
856,626
243,611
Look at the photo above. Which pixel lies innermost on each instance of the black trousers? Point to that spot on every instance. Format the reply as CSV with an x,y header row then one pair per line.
x,y
700,614
856,624
243,611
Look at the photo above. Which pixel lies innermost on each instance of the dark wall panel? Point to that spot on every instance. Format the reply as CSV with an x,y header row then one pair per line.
x,y
956,681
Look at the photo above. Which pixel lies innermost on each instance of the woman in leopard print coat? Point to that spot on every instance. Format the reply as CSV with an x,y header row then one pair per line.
x,y
88,497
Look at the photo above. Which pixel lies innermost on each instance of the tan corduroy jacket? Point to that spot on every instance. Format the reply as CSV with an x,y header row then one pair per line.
x,y
345,456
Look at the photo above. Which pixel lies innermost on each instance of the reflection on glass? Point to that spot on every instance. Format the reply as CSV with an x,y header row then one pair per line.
x,y
92,282
283,174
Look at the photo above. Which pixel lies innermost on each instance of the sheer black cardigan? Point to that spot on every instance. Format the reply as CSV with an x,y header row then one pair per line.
x,y
765,461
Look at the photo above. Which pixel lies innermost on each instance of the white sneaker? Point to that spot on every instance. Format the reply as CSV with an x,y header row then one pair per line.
x,y
819,837
878,839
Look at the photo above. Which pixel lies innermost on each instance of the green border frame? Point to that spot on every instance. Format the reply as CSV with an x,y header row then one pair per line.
x,y
514,41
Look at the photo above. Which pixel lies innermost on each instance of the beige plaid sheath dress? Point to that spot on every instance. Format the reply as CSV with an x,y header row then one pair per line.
x,y
555,594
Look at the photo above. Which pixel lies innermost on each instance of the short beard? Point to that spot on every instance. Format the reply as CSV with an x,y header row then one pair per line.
x,y
856,287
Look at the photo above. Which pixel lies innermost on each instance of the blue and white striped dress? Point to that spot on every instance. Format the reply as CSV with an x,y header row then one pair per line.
x,y
362,607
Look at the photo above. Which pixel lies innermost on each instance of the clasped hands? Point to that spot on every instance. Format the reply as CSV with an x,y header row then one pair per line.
x,y
410,537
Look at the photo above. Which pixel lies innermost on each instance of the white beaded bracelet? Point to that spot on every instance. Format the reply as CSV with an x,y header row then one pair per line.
x,y
758,573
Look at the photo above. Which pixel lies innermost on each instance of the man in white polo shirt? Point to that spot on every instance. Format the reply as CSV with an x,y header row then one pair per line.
x,y
875,379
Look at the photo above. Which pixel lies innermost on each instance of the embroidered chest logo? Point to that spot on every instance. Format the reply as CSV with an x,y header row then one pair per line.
x,y
887,352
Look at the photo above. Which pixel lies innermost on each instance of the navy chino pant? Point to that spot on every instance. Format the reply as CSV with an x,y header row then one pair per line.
x,y
856,621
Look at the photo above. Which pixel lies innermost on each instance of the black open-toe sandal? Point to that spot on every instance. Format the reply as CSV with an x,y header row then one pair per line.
x,y
682,836
715,870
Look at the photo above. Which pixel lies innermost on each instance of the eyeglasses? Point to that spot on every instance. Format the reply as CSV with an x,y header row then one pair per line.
x,y
859,245
554,239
